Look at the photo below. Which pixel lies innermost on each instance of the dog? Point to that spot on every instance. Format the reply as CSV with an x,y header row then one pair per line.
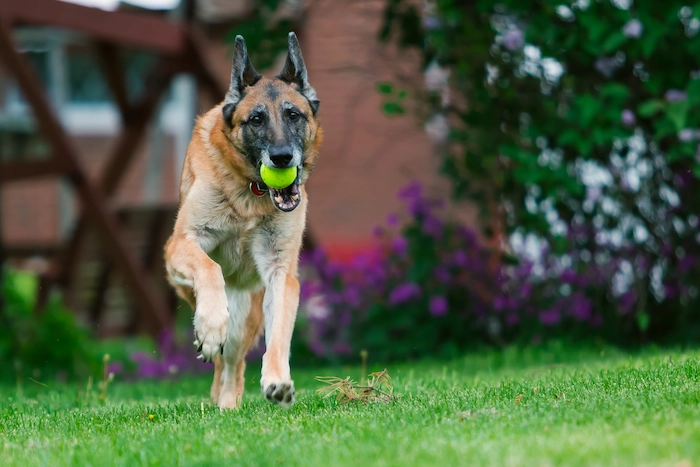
x,y
234,251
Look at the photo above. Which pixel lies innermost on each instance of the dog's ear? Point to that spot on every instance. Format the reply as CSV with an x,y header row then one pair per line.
x,y
294,72
242,75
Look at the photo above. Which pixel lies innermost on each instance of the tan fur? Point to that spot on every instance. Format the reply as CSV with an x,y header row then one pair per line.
x,y
233,256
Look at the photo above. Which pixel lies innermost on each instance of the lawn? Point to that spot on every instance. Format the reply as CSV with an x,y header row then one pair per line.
x,y
518,407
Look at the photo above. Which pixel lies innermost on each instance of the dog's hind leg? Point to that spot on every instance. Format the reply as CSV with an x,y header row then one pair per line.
x,y
245,325
216,384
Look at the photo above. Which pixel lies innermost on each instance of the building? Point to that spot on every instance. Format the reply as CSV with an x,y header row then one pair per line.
x,y
365,159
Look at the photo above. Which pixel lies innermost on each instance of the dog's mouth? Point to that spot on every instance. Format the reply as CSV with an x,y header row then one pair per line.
x,y
286,199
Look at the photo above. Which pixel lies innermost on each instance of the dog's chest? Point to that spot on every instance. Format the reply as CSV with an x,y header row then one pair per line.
x,y
234,253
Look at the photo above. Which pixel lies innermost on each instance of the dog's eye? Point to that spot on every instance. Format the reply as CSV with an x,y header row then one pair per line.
x,y
256,120
293,115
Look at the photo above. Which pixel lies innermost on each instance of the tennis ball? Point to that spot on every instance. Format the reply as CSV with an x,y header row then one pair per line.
x,y
278,178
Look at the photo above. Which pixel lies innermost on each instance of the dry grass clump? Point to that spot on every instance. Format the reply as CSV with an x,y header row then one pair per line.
x,y
378,388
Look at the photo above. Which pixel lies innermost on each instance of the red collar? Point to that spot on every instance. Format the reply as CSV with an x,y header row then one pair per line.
x,y
258,189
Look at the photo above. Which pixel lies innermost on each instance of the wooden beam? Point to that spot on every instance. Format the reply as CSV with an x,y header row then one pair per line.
x,y
137,29
92,199
200,68
108,58
16,171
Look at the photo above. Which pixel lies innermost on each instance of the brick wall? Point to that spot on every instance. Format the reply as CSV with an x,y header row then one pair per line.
x,y
365,159
366,156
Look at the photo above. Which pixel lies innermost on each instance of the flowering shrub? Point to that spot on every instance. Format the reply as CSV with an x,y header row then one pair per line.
x,y
425,289
575,126
431,288
171,359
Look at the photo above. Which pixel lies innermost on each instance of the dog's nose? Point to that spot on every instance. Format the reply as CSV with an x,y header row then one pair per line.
x,y
281,157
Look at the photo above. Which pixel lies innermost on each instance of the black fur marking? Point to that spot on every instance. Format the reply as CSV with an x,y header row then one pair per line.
x,y
314,103
272,93
228,110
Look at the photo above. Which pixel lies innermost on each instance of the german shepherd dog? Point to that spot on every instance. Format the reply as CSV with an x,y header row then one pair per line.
x,y
234,252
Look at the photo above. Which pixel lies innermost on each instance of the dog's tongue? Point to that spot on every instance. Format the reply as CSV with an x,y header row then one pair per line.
x,y
286,199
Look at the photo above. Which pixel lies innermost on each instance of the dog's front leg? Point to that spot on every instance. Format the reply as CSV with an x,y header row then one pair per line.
x,y
280,309
188,265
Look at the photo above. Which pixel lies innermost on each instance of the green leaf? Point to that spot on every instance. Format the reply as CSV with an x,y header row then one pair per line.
x,y
677,112
680,151
643,321
664,127
588,107
614,91
696,171
693,91
653,31
585,147
596,29
385,88
569,137
560,244
613,42
393,108
402,94
650,107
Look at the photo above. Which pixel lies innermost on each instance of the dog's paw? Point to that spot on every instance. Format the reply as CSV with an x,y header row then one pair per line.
x,y
229,400
210,329
281,393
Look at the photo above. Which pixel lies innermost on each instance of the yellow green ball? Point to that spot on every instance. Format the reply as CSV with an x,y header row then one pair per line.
x,y
278,178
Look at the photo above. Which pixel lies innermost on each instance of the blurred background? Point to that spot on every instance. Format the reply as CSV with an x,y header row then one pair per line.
x,y
493,173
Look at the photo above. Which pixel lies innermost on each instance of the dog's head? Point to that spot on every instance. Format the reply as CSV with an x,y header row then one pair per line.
x,y
273,121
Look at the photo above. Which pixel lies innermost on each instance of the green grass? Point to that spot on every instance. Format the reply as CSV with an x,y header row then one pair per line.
x,y
529,408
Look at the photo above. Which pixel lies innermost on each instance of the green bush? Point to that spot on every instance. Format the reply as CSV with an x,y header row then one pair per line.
x,y
41,344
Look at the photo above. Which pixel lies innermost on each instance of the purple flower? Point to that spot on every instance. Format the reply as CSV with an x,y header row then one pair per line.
x,y
417,207
685,135
581,307
526,290
442,274
116,368
670,291
403,293
392,220
353,296
308,290
513,39
628,118
568,276
512,319
550,318
432,226
627,301
431,23
674,95
460,258
606,66
438,306
686,263
412,191
666,250
633,29
500,303
399,245
467,235
342,348
318,348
